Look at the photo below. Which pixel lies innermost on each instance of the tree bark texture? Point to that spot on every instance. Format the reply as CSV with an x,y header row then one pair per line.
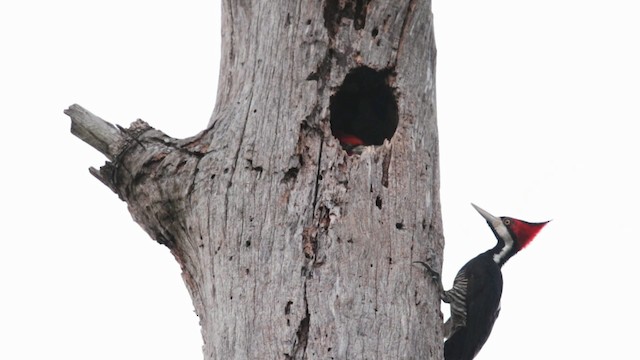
x,y
290,247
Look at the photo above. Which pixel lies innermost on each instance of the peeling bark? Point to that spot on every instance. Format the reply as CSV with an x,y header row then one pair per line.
x,y
289,246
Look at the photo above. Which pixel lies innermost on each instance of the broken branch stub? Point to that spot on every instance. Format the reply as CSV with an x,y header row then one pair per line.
x,y
102,135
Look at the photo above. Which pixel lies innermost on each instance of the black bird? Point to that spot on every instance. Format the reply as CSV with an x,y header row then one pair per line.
x,y
475,296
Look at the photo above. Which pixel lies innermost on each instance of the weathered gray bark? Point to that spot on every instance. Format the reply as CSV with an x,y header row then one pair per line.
x,y
289,247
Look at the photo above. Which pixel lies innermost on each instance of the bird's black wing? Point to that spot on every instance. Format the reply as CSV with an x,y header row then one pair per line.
x,y
484,289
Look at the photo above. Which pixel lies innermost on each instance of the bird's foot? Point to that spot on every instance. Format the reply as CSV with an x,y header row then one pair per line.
x,y
436,278
434,274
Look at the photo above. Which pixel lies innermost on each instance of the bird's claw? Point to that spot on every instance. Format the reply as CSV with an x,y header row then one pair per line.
x,y
434,274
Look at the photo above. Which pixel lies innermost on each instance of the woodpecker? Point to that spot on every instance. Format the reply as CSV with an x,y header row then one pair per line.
x,y
474,298
350,143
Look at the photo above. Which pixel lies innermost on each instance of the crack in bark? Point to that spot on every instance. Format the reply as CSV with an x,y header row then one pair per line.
x,y
323,70
231,31
235,160
386,161
318,176
310,233
244,127
302,334
403,28
192,185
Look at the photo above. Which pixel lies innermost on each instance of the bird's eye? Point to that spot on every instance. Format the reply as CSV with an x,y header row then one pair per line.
x,y
506,222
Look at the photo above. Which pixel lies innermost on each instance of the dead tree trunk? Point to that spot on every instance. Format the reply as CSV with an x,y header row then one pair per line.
x,y
290,247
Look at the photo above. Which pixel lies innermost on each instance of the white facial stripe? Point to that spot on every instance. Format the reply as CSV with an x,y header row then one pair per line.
x,y
508,241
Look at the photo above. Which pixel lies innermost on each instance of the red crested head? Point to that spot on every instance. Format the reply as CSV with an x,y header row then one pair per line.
x,y
348,139
512,234
523,231
350,143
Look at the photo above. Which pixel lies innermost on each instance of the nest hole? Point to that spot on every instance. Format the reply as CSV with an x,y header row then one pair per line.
x,y
364,110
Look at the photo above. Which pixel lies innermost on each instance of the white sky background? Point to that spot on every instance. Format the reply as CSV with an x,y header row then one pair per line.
x,y
538,111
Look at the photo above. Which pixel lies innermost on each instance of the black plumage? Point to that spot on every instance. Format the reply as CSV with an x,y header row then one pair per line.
x,y
483,291
475,296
